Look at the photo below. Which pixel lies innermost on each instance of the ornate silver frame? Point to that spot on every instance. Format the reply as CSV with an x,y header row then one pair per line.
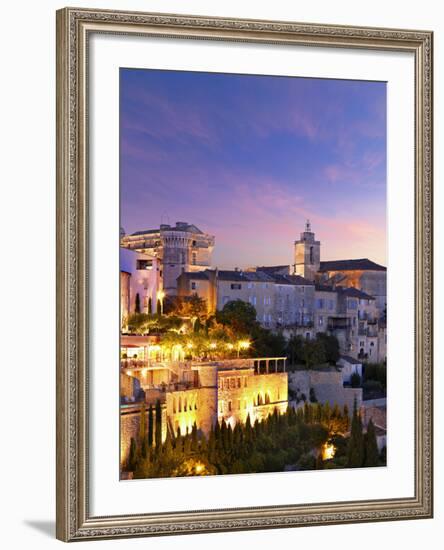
x,y
74,521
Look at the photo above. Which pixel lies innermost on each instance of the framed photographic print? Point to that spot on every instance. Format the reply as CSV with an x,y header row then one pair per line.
x,y
244,274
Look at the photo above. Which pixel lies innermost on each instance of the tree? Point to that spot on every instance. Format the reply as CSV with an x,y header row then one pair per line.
x,y
355,454
314,353
371,446
312,396
240,315
267,343
158,431
132,459
142,431
295,346
137,304
355,380
150,426
192,306
331,346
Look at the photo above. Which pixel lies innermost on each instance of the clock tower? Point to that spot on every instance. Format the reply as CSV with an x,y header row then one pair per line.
x,y
307,254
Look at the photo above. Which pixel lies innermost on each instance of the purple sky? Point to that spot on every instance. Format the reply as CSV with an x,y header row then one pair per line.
x,y
249,158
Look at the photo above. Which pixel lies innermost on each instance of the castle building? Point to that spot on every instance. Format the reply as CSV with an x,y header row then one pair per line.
x,y
178,249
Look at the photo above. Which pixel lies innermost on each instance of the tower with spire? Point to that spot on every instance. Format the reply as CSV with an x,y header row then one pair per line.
x,y
307,254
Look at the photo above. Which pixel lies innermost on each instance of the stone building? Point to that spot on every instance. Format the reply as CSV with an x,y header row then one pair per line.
x,y
307,254
139,281
346,298
178,249
362,274
200,393
279,300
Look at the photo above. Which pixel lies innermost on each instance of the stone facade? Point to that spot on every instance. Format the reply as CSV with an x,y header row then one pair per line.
x,y
327,385
307,254
203,393
139,275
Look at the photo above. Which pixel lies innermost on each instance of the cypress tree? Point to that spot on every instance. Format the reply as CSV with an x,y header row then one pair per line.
x,y
142,431
355,455
132,459
158,432
150,426
346,418
137,304
371,446
194,439
223,434
187,444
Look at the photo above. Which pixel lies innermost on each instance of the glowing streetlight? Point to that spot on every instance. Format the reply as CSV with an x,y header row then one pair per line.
x,y
242,344
328,451
199,468
160,296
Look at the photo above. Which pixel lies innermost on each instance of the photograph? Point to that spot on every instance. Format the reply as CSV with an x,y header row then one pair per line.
x,y
253,273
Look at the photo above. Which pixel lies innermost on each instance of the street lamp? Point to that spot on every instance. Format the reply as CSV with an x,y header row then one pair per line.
x,y
242,344
160,297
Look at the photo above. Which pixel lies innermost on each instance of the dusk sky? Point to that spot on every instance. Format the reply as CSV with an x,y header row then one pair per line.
x,y
249,158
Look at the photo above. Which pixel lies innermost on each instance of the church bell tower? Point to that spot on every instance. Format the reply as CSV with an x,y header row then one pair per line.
x,y
307,254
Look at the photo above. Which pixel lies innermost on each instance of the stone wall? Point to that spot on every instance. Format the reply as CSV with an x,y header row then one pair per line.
x,y
327,386
130,428
127,385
